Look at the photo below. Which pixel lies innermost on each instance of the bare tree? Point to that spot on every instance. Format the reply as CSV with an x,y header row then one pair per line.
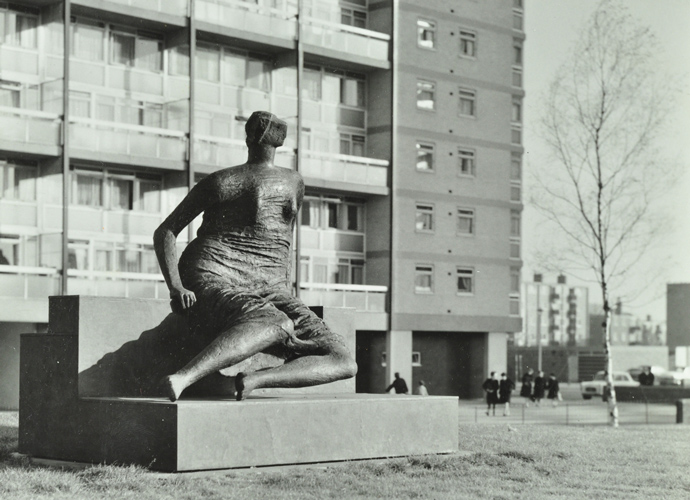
x,y
603,115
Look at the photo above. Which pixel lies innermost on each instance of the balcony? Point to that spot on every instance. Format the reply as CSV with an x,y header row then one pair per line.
x,y
18,213
167,12
267,24
17,60
364,298
214,153
361,47
112,284
20,282
172,7
26,130
127,144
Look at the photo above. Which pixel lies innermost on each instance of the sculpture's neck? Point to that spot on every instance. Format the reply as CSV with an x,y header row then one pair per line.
x,y
261,154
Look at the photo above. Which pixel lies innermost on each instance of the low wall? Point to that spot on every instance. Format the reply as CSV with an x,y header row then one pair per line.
x,y
653,394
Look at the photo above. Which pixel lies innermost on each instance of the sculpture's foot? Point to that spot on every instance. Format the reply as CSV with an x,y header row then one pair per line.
x,y
174,386
242,387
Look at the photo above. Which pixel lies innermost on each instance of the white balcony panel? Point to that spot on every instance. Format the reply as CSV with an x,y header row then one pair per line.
x,y
134,223
113,284
208,93
364,298
342,38
24,126
18,213
86,219
126,78
18,60
86,72
131,140
260,18
345,168
28,282
223,153
172,7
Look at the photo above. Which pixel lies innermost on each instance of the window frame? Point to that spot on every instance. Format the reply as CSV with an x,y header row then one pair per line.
x,y
424,270
471,215
433,29
467,272
471,156
467,39
467,95
420,146
425,209
431,90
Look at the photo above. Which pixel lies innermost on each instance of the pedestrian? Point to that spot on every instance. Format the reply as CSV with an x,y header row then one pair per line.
x,y
554,393
526,389
399,385
505,387
490,386
539,387
421,389
646,377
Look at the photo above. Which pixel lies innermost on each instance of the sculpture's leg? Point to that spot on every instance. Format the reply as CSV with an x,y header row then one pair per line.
x,y
335,364
230,347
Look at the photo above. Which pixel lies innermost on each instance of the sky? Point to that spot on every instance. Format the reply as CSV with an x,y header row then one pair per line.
x,y
552,28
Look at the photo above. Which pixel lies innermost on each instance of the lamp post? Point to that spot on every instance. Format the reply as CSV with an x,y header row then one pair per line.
x,y
539,311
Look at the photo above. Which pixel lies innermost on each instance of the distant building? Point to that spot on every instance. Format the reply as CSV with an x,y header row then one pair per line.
x,y
626,329
556,313
678,314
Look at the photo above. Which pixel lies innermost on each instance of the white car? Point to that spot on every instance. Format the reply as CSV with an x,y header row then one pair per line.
x,y
595,387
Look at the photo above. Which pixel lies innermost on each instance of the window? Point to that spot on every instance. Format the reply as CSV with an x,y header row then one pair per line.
x,y
352,17
79,104
311,84
425,157
516,134
424,217
424,279
337,213
416,358
465,277
18,181
515,194
517,77
514,306
514,280
467,102
426,95
515,223
465,221
129,111
87,40
352,90
346,271
18,26
517,20
351,144
468,43
178,62
136,50
426,34
516,115
517,53
117,190
207,63
517,4
10,94
514,249
466,163
515,167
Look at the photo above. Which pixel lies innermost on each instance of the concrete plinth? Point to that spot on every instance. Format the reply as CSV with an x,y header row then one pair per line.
x,y
61,417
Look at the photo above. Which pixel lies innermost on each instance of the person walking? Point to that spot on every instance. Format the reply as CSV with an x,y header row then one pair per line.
x,y
526,389
421,389
539,388
490,386
399,385
554,393
505,388
646,377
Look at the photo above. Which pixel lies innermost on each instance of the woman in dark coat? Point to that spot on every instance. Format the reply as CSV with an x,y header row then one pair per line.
x,y
490,386
539,388
505,388
526,389
554,390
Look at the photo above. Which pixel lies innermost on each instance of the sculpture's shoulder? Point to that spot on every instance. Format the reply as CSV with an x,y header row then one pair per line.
x,y
250,178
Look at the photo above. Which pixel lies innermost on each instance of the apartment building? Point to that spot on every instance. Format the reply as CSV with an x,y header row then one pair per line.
x,y
409,118
554,314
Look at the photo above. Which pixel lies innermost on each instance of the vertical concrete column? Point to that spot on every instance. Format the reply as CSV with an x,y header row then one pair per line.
x,y
496,349
399,355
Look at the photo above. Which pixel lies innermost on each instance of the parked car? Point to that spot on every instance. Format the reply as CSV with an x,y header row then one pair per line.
x,y
657,371
679,377
596,386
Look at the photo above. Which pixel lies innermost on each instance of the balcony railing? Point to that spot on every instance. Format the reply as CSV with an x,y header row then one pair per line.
x,y
366,298
260,17
341,37
173,7
25,126
24,282
116,284
130,140
345,168
18,59
221,153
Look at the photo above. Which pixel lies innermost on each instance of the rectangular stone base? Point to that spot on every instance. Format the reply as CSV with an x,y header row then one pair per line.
x,y
193,435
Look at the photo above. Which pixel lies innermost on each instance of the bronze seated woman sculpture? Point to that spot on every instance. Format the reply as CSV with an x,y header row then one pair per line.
x,y
233,279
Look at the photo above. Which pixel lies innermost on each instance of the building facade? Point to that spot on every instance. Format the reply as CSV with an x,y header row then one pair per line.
x,y
410,122
554,314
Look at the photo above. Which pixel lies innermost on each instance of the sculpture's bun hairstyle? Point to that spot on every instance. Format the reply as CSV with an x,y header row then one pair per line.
x,y
264,128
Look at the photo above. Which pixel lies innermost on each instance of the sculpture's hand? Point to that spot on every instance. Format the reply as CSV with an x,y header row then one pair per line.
x,y
181,300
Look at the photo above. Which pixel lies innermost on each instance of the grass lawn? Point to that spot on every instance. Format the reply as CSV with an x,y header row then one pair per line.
x,y
530,462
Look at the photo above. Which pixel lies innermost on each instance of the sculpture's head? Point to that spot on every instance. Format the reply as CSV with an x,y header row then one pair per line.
x,y
265,129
